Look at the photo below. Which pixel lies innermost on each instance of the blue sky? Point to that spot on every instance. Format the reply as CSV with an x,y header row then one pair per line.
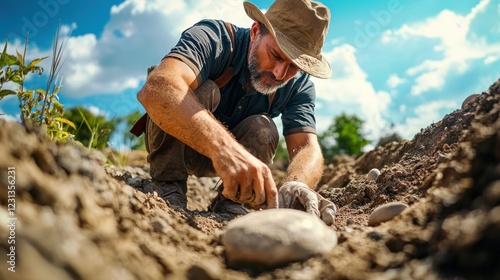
x,y
400,65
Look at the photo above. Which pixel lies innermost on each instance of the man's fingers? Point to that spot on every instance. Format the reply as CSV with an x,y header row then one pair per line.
x,y
270,190
310,202
328,210
328,216
297,195
246,193
259,192
284,198
231,191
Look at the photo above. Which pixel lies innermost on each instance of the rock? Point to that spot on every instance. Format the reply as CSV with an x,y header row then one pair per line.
x,y
386,212
276,236
134,182
373,175
468,100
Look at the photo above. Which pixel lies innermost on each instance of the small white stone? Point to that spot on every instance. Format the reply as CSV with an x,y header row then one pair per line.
x,y
386,212
373,174
277,236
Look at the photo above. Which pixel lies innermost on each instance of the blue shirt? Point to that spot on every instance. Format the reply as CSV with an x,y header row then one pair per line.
x,y
206,49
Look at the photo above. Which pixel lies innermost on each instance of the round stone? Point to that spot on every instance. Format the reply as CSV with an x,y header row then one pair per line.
x,y
386,212
276,236
468,100
373,174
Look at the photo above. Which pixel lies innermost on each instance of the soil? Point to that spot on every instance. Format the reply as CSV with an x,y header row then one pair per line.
x,y
76,217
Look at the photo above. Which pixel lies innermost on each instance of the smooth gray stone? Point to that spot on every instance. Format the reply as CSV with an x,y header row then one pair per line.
x,y
373,174
386,212
276,236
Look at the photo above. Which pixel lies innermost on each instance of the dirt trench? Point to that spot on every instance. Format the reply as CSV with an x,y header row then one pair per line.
x,y
76,218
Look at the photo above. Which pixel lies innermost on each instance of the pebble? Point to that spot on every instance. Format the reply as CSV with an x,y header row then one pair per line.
x,y
412,198
134,182
276,236
468,100
386,212
373,174
441,158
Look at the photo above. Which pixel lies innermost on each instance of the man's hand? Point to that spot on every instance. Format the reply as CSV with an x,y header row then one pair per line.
x,y
179,113
297,195
246,179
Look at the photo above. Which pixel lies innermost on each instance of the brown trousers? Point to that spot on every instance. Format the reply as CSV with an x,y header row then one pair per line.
x,y
172,160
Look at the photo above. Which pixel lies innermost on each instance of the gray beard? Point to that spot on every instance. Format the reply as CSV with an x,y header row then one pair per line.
x,y
256,76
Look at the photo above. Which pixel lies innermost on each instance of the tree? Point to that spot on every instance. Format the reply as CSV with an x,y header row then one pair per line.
x,y
135,143
343,137
91,130
281,152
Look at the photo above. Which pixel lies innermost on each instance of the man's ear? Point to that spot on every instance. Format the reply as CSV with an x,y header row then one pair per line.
x,y
254,31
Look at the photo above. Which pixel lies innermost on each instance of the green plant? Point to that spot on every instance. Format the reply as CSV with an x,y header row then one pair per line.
x,y
344,136
93,131
118,158
135,143
38,106
281,152
13,69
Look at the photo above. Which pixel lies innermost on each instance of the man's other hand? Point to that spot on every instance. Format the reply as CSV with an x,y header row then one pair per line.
x,y
297,195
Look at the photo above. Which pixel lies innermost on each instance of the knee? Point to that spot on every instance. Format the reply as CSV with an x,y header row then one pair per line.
x,y
264,130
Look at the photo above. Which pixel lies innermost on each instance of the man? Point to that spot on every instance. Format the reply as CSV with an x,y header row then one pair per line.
x,y
193,128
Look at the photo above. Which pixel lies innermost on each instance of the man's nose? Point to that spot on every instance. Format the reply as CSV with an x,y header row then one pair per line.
x,y
280,70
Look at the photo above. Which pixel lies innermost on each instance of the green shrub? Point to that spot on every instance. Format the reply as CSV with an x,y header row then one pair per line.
x,y
38,106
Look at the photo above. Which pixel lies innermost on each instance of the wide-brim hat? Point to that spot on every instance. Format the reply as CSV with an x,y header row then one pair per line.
x,y
299,28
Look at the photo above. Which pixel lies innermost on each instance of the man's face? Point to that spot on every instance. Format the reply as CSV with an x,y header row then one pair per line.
x,y
269,68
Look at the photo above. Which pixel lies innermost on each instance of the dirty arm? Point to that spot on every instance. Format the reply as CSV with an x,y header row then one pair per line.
x,y
306,159
169,100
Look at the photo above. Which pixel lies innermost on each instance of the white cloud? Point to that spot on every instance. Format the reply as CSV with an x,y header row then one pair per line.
x,y
10,118
394,81
453,33
7,117
96,111
138,35
349,91
490,59
10,85
66,30
425,114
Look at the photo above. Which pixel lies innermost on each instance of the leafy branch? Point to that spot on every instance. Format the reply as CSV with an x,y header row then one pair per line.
x,y
38,106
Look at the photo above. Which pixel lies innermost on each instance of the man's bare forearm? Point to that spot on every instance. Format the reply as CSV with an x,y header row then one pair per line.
x,y
174,108
306,166
169,100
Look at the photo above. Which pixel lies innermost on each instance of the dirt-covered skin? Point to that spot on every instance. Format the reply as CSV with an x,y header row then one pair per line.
x,y
78,218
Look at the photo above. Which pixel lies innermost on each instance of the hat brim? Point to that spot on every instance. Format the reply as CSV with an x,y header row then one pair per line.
x,y
319,68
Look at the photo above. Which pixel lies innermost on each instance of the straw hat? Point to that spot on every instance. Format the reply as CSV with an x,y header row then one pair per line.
x,y
299,27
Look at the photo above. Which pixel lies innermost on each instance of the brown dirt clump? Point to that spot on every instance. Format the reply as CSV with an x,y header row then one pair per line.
x,y
76,218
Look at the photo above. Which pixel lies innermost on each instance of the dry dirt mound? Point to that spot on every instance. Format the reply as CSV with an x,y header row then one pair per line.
x,y
75,219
